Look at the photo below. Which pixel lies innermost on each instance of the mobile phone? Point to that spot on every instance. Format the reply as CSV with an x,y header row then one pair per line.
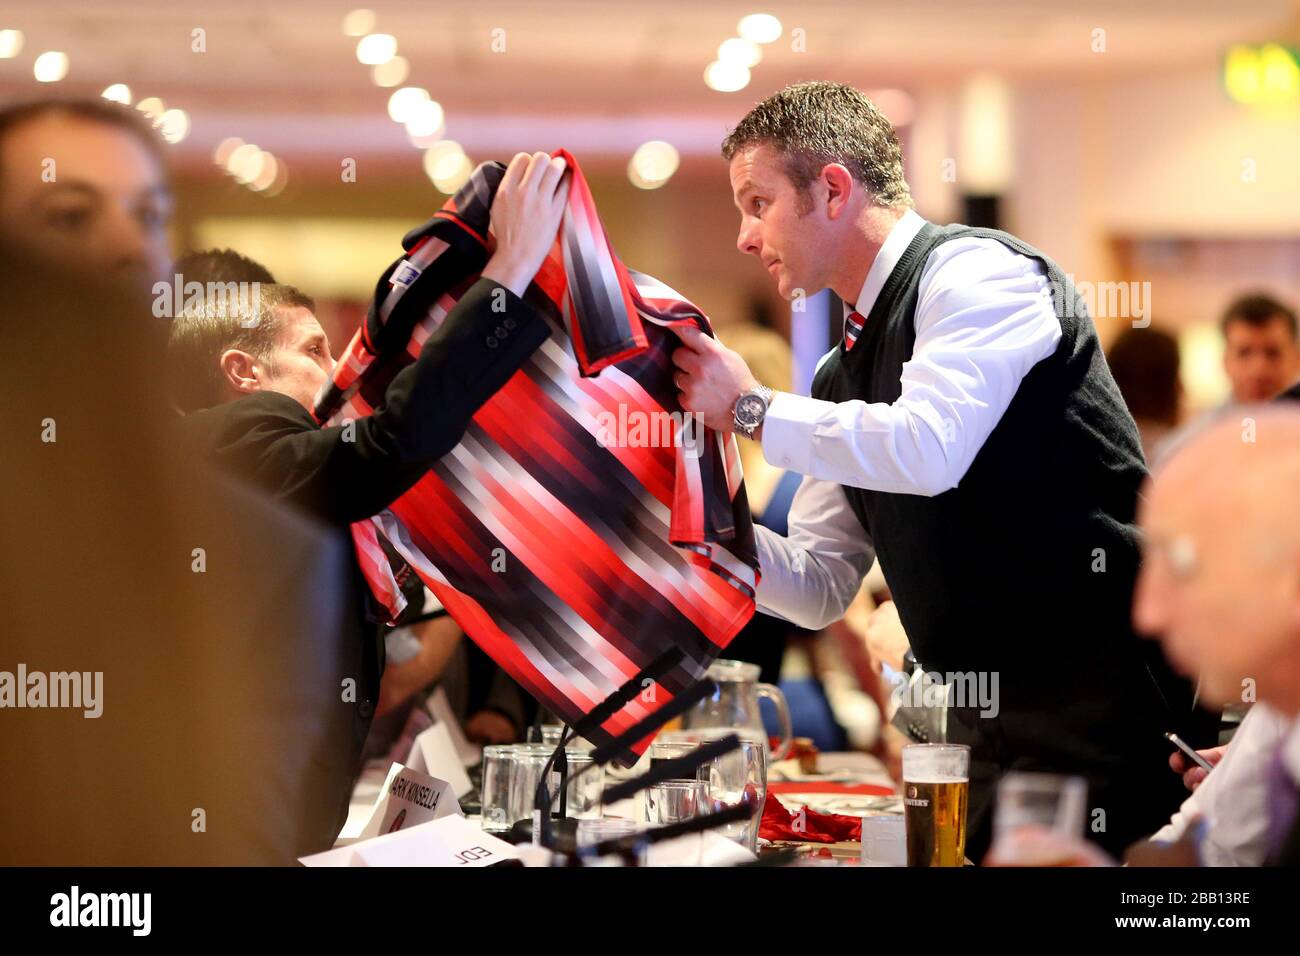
x,y
1191,754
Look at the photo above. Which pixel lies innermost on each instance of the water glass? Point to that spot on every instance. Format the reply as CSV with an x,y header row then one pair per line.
x,y
673,801
1038,804
597,830
735,777
497,764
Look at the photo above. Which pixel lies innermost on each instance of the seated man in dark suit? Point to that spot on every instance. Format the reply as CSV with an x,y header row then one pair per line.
x,y
246,384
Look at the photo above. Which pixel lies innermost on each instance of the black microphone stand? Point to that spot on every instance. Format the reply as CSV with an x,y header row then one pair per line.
x,y
654,671
558,763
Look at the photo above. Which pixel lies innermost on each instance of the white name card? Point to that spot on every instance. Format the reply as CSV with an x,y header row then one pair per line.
x,y
434,753
407,798
449,841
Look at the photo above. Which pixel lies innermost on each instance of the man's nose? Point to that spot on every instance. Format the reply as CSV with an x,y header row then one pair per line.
x,y
747,240
1149,616
125,245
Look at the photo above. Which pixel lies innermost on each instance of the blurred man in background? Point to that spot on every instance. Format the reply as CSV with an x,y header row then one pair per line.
x,y
1145,364
1261,351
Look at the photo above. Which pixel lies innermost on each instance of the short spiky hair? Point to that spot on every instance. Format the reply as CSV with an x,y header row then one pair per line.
x,y
199,336
222,265
1258,309
813,124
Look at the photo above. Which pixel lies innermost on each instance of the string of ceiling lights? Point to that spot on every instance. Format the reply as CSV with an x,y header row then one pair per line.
x,y
249,165
738,56
652,163
52,66
423,117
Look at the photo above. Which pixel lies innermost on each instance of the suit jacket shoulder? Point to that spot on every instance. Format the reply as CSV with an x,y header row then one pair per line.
x,y
275,443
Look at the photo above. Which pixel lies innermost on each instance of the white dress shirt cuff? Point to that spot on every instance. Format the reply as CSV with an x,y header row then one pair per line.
x,y
789,430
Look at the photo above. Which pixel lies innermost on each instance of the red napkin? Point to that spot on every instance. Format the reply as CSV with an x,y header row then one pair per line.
x,y
830,786
808,825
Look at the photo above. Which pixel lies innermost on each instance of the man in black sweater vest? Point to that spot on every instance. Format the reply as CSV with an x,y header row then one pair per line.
x,y
247,388
966,431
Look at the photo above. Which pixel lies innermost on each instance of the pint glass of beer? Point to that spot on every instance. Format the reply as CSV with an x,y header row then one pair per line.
x,y
936,784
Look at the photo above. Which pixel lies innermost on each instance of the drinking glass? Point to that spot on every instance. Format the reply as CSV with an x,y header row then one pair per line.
x,y
1038,803
735,777
597,830
584,788
936,788
495,788
673,801
526,763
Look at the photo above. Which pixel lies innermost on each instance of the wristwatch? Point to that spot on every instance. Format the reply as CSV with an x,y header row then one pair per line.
x,y
751,409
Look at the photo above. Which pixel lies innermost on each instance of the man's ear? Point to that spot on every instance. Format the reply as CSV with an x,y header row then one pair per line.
x,y
839,189
240,371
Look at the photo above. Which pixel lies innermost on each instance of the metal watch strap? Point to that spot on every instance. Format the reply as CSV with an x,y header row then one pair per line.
x,y
767,395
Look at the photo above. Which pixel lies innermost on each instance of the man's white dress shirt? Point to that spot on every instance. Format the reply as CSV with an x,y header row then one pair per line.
x,y
984,318
1233,799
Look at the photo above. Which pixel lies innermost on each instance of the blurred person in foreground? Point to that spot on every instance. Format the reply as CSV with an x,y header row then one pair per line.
x,y
247,384
85,182
1220,585
967,431
205,750
1220,588
201,612
1261,348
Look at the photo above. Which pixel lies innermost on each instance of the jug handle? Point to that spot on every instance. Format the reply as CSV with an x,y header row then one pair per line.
x,y
774,694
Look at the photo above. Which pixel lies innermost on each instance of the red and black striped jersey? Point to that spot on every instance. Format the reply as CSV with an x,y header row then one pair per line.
x,y
585,523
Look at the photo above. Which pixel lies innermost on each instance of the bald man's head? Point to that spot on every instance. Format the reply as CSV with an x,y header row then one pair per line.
x,y
1220,580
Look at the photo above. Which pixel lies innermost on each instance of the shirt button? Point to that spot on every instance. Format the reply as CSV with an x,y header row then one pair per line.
x,y
509,323
490,342
501,333
366,710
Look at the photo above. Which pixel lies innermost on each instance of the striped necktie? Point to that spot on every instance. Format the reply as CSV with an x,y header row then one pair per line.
x,y
852,329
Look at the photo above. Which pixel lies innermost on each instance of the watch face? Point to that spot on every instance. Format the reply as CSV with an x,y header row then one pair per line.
x,y
750,409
